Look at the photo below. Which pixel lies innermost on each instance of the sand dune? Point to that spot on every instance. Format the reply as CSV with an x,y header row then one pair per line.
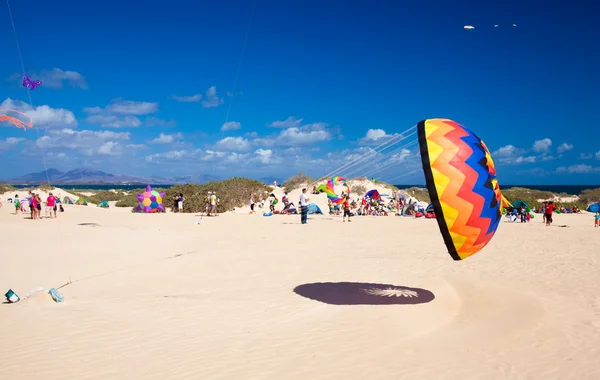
x,y
159,297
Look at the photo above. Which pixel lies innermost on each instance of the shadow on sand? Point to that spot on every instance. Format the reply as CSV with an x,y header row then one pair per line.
x,y
357,293
89,224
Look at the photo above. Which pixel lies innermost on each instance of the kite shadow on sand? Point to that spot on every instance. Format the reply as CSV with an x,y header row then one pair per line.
x,y
357,293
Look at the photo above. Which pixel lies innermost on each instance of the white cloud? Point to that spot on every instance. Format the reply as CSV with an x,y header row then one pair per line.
x,y
510,154
189,99
212,99
290,122
266,156
112,121
578,169
43,116
542,145
233,144
166,139
529,159
174,155
375,134
564,147
125,107
56,78
125,114
10,143
152,121
85,142
597,155
586,156
231,126
306,135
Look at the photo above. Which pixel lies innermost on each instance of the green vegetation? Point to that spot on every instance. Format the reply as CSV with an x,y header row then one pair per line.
x,y
131,199
296,181
5,188
534,198
100,196
590,196
419,193
234,192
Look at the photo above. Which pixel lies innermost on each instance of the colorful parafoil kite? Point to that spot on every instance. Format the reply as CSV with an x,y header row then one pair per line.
x,y
328,188
462,185
16,118
150,201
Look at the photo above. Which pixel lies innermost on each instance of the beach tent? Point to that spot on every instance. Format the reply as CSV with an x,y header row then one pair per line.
x,y
429,208
595,207
518,204
67,201
373,194
103,204
314,209
81,202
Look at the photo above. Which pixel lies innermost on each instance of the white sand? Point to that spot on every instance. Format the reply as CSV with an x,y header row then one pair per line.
x,y
158,297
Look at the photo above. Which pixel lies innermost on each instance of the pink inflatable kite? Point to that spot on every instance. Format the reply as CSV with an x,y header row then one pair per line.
x,y
150,201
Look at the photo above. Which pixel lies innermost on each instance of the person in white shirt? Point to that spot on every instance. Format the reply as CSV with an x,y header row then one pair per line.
x,y
251,204
303,207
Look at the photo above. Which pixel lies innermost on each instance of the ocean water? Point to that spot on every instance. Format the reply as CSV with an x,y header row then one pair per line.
x,y
569,189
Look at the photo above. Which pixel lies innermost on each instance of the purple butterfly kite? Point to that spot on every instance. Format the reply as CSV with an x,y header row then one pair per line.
x,y
31,84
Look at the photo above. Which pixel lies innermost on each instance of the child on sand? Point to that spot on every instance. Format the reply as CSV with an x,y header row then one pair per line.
x,y
17,204
346,210
597,219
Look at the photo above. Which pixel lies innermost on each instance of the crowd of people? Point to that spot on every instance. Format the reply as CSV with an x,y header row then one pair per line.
x,y
33,204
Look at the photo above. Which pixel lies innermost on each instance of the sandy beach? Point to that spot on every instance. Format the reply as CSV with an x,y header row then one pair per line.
x,y
240,297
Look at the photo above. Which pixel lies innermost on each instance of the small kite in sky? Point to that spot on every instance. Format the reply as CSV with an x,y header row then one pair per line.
x,y
31,84
469,27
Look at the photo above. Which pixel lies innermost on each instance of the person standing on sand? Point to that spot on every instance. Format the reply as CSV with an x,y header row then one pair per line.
x,y
597,219
346,210
213,203
548,212
17,204
303,207
251,204
180,203
50,206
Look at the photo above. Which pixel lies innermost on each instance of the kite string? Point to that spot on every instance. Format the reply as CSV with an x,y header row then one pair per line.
x,y
379,164
371,153
12,22
377,160
367,154
239,66
40,145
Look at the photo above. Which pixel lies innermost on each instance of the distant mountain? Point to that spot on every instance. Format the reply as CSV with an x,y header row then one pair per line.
x,y
53,174
93,176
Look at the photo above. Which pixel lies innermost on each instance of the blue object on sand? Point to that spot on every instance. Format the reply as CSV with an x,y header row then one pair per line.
x,y
55,294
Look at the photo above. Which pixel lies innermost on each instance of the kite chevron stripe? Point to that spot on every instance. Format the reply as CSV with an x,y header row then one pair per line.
x,y
461,181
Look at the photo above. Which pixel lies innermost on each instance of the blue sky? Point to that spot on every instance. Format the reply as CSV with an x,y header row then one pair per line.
x,y
148,90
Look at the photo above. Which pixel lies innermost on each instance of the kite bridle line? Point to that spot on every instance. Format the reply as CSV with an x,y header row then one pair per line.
x,y
377,160
40,145
239,66
379,148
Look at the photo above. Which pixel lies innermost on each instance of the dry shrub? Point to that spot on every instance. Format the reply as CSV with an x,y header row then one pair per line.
x,y
296,181
358,190
233,192
419,193
5,188
590,196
